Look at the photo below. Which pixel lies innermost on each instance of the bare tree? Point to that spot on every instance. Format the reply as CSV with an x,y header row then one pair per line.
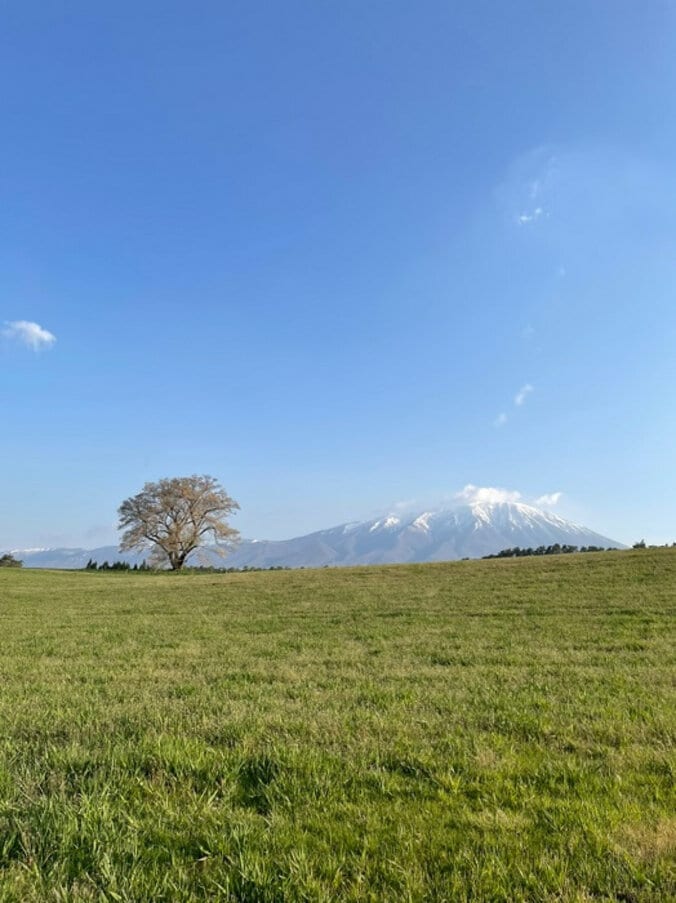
x,y
173,517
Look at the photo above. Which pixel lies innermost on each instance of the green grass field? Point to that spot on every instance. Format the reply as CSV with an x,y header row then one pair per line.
x,y
496,730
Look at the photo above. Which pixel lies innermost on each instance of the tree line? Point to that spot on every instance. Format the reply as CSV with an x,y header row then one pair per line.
x,y
115,566
555,549
93,565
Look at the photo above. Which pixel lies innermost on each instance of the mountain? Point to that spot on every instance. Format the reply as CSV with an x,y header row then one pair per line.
x,y
463,531
60,558
466,531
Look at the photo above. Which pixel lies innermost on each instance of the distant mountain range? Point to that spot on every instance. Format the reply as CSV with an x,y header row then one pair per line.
x,y
463,531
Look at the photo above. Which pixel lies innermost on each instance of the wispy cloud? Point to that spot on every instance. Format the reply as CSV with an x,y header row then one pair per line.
x,y
569,194
523,394
523,219
469,495
486,494
519,399
548,500
30,334
472,494
528,194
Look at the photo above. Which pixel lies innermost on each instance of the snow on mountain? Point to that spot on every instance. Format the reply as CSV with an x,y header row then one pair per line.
x,y
386,523
479,526
463,531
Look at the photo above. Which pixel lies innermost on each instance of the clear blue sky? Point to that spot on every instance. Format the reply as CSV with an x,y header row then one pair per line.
x,y
321,249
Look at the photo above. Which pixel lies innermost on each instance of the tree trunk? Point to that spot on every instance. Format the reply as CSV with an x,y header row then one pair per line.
x,y
176,560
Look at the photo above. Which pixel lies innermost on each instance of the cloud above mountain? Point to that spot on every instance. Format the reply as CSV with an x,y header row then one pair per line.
x,y
489,495
548,500
493,495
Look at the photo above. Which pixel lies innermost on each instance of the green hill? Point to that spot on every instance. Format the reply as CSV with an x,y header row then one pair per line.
x,y
494,730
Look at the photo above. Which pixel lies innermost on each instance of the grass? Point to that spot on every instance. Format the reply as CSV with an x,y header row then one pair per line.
x,y
488,731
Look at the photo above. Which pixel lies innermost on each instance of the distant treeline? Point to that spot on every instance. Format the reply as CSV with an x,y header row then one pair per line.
x,y
115,566
9,561
210,569
641,544
199,569
556,549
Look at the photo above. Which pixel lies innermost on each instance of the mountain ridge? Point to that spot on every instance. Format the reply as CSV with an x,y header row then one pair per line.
x,y
469,530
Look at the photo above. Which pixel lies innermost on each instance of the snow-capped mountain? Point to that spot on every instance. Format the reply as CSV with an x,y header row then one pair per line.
x,y
468,530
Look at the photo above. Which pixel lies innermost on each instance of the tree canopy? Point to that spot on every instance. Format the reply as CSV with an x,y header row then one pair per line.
x,y
175,516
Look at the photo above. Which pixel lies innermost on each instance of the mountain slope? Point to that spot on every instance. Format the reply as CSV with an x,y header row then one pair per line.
x,y
464,531
467,531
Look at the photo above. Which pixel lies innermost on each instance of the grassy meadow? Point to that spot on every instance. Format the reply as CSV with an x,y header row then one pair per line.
x,y
489,731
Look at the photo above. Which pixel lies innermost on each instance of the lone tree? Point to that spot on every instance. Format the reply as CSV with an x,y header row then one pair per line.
x,y
173,517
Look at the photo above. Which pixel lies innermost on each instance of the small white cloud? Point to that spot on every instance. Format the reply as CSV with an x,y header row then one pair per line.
x,y
30,334
528,332
522,394
524,218
548,500
500,420
486,494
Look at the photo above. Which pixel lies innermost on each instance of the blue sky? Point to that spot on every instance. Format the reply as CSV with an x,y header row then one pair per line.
x,y
340,256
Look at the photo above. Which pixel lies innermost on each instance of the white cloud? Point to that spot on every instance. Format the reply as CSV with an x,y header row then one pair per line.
x,y
493,495
524,218
528,193
548,500
486,494
470,495
30,334
522,394
569,194
519,399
